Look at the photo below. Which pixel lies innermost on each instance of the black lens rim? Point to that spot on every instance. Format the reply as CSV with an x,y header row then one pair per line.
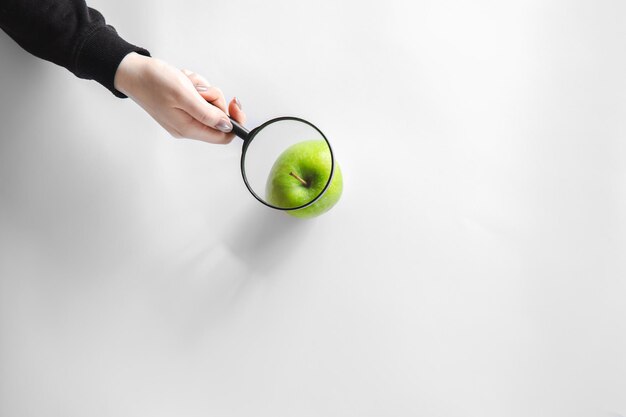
x,y
251,137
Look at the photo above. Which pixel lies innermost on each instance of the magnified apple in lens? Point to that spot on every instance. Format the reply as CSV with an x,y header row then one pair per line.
x,y
299,175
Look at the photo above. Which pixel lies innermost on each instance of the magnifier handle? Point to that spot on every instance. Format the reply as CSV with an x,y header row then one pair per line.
x,y
238,129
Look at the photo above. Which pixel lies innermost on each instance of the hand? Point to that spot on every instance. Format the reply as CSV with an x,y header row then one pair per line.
x,y
182,102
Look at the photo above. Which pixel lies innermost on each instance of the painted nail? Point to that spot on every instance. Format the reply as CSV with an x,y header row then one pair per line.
x,y
201,88
224,125
238,103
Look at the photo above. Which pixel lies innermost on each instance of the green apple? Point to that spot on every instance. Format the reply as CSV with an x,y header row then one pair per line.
x,y
298,176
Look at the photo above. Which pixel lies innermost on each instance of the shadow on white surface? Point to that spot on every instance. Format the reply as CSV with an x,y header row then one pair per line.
x,y
217,280
263,238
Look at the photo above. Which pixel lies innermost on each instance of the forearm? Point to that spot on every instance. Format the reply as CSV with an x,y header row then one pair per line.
x,y
68,33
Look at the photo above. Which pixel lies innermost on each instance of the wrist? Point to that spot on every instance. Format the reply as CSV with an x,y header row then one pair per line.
x,y
127,72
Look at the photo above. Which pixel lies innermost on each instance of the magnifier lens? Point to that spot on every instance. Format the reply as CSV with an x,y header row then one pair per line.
x,y
287,163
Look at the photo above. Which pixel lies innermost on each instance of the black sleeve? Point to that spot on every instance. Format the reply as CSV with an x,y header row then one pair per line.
x,y
70,34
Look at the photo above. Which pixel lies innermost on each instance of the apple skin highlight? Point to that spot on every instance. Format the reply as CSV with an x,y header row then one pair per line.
x,y
308,161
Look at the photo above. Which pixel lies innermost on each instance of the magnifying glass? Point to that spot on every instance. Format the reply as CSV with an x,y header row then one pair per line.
x,y
286,163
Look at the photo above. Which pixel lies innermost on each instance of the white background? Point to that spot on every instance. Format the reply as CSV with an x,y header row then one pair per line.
x,y
475,265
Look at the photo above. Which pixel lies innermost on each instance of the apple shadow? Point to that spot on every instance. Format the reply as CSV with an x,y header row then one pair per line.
x,y
222,273
262,238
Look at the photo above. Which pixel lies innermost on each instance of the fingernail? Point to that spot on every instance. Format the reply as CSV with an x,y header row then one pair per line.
x,y
201,88
238,103
224,125
187,72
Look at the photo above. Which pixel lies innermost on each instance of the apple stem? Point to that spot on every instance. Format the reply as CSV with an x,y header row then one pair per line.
x,y
298,178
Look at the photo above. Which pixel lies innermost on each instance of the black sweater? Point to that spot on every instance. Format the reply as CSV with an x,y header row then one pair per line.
x,y
70,34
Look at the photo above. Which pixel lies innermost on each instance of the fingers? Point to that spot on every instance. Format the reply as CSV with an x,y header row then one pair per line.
x,y
205,113
211,94
183,103
234,109
184,125
198,131
208,106
214,96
